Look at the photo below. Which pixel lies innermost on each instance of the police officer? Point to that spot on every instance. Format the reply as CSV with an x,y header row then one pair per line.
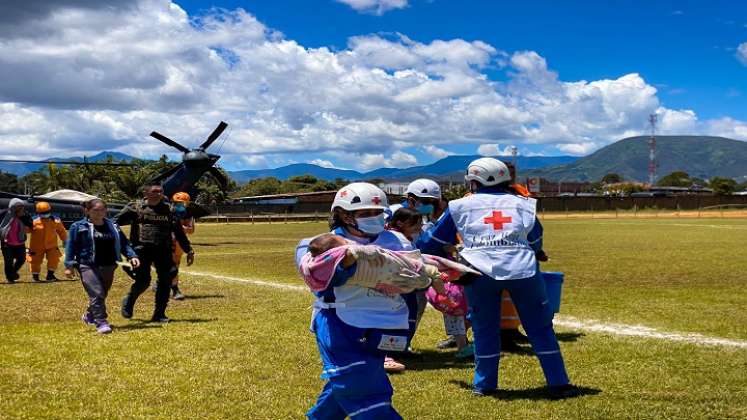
x,y
501,235
153,224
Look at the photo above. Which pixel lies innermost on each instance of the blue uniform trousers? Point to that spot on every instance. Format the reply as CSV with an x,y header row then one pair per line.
x,y
357,385
535,313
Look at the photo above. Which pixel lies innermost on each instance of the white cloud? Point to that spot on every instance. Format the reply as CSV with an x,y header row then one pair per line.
x,y
494,150
377,7
728,127
323,163
742,53
436,151
78,80
578,149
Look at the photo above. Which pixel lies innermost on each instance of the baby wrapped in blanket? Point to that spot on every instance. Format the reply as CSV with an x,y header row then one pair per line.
x,y
390,272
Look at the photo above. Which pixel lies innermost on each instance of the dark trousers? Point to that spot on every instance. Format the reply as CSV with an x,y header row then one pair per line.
x,y
161,259
97,280
13,258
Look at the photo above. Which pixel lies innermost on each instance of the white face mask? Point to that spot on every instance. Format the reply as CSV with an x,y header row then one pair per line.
x,y
371,225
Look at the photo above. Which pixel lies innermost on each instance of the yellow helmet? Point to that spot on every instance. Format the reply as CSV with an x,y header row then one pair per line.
x,y
181,197
43,207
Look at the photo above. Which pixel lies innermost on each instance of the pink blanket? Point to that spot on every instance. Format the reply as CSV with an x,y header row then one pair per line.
x,y
318,271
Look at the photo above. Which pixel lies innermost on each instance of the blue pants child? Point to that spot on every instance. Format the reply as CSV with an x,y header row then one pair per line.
x,y
535,313
357,385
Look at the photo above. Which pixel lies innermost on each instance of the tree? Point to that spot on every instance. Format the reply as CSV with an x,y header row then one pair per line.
x,y
9,183
723,186
259,186
675,179
611,178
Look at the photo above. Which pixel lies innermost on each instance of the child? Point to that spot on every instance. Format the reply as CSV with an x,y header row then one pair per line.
x,y
391,272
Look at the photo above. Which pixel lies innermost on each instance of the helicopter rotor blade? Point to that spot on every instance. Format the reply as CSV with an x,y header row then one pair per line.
x,y
218,175
214,135
168,141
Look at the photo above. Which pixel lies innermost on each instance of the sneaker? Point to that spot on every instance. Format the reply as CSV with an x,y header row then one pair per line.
x,y
483,392
467,352
178,295
447,344
103,327
87,319
162,319
393,366
126,308
563,391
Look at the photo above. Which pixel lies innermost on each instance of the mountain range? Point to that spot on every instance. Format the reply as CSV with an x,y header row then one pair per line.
x,y
699,156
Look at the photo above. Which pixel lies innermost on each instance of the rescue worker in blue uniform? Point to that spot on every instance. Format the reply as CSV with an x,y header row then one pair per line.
x,y
355,326
501,235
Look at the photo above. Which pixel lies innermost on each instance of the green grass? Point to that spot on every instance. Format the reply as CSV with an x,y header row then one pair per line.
x,y
237,350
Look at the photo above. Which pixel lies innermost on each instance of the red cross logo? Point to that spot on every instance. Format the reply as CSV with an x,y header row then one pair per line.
x,y
376,200
344,193
497,220
501,172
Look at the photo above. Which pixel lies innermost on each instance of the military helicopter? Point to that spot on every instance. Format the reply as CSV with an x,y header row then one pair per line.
x,y
183,177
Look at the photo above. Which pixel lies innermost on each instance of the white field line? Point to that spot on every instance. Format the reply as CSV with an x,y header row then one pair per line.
x,y
646,332
562,321
732,227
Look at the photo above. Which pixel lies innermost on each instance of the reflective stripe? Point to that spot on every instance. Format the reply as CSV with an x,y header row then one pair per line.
x,y
489,356
331,305
440,241
547,352
370,407
362,362
509,317
507,299
544,303
535,241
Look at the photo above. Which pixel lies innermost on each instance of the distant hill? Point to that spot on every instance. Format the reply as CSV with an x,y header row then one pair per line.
x,y
437,169
699,156
21,169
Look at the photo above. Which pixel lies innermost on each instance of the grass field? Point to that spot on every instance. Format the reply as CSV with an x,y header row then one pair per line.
x,y
238,349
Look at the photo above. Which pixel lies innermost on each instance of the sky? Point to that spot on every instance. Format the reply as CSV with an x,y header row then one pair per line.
x,y
363,84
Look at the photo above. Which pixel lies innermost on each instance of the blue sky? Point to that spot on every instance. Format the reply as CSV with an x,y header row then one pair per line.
x,y
685,48
396,84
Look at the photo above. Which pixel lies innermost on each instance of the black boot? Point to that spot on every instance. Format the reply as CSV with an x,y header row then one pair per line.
x,y
35,278
50,275
127,307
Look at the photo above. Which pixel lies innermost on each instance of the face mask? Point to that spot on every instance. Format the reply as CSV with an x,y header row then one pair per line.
x,y
45,215
371,225
180,208
415,237
425,208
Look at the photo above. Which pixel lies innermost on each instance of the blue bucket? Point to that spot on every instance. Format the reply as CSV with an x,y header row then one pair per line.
x,y
554,288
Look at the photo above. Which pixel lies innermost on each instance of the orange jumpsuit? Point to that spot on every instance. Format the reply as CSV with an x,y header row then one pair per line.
x,y
43,242
188,225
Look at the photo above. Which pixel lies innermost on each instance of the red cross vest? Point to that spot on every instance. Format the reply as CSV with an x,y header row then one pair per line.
x,y
494,230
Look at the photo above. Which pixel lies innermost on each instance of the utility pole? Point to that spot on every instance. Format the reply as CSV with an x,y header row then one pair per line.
x,y
652,150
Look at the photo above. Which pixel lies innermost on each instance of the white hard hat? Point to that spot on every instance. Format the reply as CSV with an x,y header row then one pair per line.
x,y
360,196
424,188
488,171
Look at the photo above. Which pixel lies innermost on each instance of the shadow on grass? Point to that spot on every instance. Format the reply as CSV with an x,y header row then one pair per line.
x,y
216,243
569,337
198,297
5,283
140,324
535,394
432,360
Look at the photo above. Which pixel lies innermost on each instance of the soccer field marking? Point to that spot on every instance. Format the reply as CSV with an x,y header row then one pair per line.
x,y
729,227
646,332
623,330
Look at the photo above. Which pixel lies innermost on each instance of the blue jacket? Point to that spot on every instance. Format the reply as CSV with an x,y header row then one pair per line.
x,y
80,247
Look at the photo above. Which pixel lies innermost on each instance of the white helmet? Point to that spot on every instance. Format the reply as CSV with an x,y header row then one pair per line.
x,y
488,171
424,188
360,196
